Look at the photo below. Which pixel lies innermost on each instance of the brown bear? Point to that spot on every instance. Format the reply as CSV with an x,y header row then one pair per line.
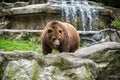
x,y
60,36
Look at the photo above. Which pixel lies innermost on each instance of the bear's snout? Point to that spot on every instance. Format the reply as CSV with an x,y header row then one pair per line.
x,y
56,43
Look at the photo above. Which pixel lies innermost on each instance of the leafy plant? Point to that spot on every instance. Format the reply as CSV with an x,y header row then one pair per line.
x,y
117,23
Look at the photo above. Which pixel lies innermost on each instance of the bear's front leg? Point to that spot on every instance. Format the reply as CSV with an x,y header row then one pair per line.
x,y
46,49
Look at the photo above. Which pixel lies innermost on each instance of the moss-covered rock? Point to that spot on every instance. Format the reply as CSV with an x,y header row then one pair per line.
x,y
112,71
98,62
22,70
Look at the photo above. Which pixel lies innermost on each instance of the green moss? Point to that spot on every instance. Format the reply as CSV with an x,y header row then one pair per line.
x,y
11,72
35,71
112,70
88,72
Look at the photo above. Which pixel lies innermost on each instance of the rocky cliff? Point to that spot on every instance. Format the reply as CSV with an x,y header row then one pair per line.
x,y
22,15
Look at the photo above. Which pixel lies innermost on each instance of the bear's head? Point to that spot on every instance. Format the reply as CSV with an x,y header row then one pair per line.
x,y
54,36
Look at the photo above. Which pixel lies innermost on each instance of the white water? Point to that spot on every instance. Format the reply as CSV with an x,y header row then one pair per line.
x,y
72,10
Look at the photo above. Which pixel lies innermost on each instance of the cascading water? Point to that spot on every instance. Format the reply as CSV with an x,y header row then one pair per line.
x,y
72,10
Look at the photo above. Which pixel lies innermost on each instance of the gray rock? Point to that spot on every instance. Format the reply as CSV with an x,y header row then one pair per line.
x,y
85,64
22,69
38,8
99,49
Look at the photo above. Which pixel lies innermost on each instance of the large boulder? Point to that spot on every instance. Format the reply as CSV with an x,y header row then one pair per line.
x,y
22,64
88,63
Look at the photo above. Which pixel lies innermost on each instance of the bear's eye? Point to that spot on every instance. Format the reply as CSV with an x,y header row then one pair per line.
x,y
49,30
60,31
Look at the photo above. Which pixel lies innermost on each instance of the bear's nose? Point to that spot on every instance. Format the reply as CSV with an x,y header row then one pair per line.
x,y
56,43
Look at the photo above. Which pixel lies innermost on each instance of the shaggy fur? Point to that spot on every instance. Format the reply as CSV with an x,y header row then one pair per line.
x,y
60,36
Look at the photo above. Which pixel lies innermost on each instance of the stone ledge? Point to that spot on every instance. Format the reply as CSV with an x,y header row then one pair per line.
x,y
31,9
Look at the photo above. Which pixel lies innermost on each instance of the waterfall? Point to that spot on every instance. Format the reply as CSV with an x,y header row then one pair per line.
x,y
72,10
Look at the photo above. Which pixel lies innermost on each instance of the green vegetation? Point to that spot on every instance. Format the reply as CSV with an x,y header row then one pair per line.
x,y
11,45
117,23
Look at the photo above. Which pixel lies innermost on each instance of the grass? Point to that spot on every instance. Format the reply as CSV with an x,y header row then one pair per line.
x,y
11,45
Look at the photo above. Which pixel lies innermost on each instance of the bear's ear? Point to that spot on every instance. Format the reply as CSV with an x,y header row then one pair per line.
x,y
50,30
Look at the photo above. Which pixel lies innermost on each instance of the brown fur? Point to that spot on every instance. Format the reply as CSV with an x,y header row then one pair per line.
x,y
60,36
